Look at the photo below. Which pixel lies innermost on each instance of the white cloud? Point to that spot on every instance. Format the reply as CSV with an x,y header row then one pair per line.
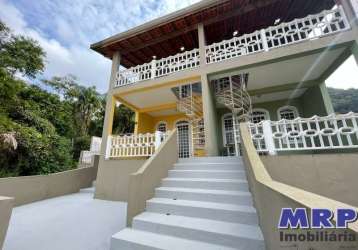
x,y
65,29
346,76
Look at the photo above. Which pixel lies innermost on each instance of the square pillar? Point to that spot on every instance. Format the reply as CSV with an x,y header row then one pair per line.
x,y
355,50
202,44
210,118
110,104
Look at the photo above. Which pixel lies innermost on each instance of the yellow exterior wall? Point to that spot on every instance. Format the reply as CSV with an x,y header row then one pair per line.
x,y
170,120
143,123
146,123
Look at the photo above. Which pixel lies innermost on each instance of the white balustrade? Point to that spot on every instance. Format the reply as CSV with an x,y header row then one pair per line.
x,y
86,157
95,149
95,144
327,22
158,68
141,145
134,74
182,61
311,27
315,133
237,46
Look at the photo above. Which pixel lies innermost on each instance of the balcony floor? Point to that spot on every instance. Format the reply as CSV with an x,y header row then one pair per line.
x,y
72,222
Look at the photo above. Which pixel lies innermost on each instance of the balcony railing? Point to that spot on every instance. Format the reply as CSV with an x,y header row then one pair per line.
x,y
315,133
327,22
141,145
158,68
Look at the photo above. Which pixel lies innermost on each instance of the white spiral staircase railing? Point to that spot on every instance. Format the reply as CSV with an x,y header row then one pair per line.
x,y
192,107
235,97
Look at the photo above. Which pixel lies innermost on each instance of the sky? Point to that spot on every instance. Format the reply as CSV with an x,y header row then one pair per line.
x,y
66,28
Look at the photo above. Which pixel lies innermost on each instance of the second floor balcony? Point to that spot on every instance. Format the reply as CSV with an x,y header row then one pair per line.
x,y
311,27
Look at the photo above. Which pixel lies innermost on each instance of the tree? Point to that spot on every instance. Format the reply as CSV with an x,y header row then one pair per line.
x,y
86,102
29,142
19,54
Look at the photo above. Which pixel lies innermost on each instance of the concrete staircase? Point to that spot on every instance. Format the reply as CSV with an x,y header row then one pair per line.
x,y
204,203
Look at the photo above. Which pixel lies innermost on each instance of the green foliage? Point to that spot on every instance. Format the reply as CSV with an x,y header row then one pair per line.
x,y
47,131
19,54
86,102
79,144
37,119
123,120
344,101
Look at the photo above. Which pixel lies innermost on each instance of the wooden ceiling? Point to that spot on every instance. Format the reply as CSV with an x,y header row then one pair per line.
x,y
220,20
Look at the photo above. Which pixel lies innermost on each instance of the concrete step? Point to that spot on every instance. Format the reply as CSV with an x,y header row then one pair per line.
x,y
200,209
206,183
222,196
131,239
210,160
209,231
209,166
87,190
216,174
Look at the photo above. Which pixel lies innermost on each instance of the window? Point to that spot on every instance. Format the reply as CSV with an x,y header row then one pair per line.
x,y
184,150
259,115
185,91
221,84
162,127
287,112
228,129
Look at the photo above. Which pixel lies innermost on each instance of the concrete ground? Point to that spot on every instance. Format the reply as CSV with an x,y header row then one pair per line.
x,y
71,222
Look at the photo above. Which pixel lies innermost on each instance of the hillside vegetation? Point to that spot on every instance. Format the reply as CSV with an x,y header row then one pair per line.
x,y
43,131
344,101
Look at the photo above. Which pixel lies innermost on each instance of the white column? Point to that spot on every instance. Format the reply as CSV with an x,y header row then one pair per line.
x,y
270,144
158,139
110,104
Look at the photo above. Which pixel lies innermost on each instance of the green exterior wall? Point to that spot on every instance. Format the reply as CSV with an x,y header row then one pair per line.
x,y
272,107
316,101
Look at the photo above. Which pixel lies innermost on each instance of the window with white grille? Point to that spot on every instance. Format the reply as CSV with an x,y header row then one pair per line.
x,y
221,84
183,139
288,113
162,127
259,115
228,129
185,91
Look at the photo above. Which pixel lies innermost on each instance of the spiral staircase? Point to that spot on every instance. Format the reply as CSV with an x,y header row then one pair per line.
x,y
235,97
191,105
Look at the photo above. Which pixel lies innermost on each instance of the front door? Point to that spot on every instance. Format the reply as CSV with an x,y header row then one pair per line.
x,y
183,129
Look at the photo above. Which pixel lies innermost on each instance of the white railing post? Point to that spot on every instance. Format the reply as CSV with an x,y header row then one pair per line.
x,y
158,139
108,147
154,68
264,40
268,136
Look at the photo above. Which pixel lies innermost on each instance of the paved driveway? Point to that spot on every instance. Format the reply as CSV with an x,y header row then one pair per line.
x,y
71,222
